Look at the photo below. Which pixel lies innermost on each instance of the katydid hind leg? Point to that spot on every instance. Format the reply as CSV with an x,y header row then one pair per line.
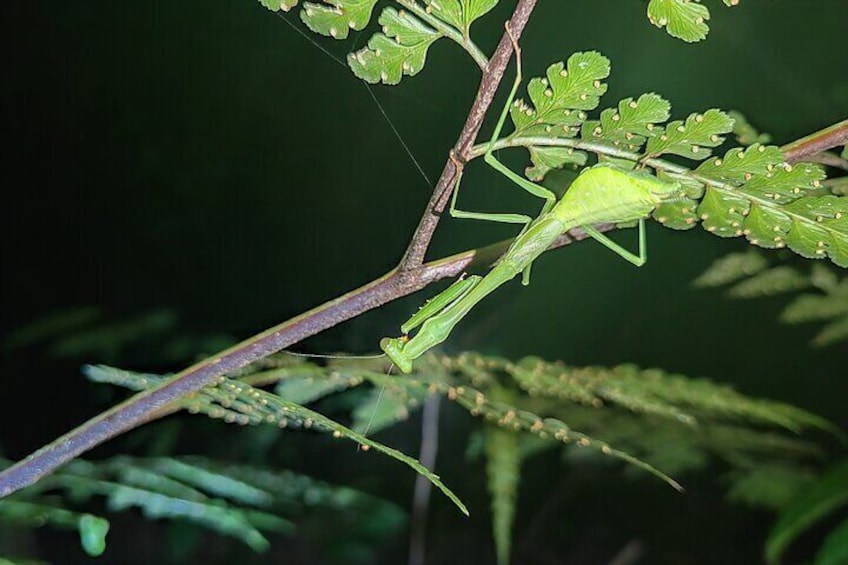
x,y
629,256
486,216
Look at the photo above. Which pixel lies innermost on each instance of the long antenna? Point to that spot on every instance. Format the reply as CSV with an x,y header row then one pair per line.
x,y
370,91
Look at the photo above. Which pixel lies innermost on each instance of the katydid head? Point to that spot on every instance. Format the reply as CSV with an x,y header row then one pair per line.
x,y
394,349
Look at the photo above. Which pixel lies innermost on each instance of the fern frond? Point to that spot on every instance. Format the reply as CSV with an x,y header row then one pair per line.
x,y
830,304
777,280
507,416
731,268
277,5
238,402
691,138
655,392
745,133
752,192
683,19
768,486
400,50
821,499
401,47
558,100
460,13
503,469
631,124
335,18
557,108
239,501
749,191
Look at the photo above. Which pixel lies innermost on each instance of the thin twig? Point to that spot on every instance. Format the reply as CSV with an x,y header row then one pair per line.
x,y
154,403
822,140
420,241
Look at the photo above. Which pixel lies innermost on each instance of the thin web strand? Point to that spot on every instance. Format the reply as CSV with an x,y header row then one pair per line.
x,y
373,96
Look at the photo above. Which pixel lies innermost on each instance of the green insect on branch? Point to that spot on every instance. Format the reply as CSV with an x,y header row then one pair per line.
x,y
601,194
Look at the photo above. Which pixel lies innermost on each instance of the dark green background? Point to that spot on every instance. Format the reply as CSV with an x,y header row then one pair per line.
x,y
205,158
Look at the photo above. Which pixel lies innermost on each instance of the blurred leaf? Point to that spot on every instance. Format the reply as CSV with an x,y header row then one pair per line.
x,y
732,267
813,504
834,550
503,468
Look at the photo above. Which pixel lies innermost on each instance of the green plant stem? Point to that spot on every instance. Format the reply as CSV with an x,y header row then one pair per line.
x,y
449,32
792,152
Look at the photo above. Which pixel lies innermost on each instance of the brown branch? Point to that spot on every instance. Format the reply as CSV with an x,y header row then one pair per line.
x,y
153,403
822,140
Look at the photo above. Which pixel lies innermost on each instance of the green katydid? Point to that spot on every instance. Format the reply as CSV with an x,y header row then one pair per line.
x,y
600,194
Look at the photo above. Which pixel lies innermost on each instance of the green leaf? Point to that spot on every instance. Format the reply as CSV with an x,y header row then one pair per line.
x,y
503,469
677,215
556,110
777,280
691,138
745,133
742,164
731,268
834,549
832,333
326,423
813,504
335,18
557,101
546,159
631,123
502,414
809,307
400,50
386,406
308,389
683,19
460,13
277,5
820,228
752,192
770,486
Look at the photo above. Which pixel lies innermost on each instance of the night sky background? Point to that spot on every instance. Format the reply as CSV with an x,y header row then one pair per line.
x,y
200,171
